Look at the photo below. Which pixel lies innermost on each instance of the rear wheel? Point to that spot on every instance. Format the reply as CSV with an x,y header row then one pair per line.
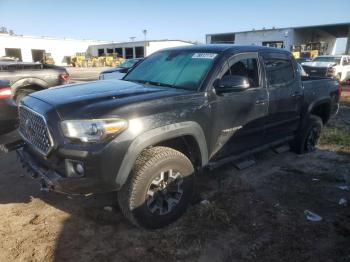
x,y
308,136
159,188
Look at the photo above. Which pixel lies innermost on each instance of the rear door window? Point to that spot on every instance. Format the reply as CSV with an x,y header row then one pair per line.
x,y
279,71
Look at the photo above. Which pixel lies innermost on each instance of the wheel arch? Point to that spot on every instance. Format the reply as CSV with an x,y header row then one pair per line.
x,y
28,83
189,133
320,108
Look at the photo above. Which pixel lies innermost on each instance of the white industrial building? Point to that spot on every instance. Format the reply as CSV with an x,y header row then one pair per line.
x,y
287,37
135,49
33,49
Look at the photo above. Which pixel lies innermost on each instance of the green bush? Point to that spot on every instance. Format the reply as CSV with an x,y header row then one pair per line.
x,y
336,136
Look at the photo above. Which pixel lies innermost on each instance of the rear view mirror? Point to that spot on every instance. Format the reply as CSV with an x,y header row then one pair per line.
x,y
232,83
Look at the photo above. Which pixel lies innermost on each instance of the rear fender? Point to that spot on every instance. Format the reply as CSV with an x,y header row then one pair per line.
x,y
312,106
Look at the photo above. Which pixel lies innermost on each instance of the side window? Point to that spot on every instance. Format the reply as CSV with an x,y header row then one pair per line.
x,y
279,72
346,60
248,68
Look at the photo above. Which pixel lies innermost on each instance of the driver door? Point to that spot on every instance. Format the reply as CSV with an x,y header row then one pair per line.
x,y
240,116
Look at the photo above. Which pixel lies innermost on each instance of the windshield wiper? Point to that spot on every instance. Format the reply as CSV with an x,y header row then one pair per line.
x,y
152,83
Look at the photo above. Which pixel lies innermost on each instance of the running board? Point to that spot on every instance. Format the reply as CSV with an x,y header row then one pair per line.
x,y
248,153
246,163
282,149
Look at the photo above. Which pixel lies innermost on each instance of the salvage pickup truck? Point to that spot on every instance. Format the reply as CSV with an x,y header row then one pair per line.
x,y
180,110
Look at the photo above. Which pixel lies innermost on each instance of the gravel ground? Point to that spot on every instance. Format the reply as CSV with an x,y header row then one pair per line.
x,y
256,214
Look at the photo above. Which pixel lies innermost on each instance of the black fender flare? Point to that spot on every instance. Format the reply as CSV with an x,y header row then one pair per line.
x,y
27,82
314,104
156,136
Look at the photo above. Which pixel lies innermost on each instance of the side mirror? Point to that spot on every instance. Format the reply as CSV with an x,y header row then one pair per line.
x,y
231,83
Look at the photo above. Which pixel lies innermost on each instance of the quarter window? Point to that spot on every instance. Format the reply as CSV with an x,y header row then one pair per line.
x,y
279,72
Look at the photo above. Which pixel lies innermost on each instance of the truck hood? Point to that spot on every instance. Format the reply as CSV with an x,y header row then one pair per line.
x,y
101,97
319,64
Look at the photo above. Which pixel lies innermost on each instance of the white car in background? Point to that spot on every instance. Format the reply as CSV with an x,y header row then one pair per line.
x,y
120,71
329,65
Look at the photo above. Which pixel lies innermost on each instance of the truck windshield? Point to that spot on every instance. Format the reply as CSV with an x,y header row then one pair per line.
x,y
329,59
173,68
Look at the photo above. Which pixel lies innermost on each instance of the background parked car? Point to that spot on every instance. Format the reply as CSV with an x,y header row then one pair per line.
x,y
333,66
120,71
26,78
8,109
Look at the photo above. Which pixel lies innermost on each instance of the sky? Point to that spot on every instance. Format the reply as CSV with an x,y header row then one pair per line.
x,y
176,19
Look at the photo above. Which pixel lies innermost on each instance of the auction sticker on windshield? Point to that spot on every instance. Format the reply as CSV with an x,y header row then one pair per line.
x,y
204,55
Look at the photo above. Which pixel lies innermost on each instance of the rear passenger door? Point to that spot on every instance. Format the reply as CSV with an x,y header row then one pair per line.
x,y
285,96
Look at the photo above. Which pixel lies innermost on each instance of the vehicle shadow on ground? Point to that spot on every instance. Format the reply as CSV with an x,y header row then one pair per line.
x,y
252,214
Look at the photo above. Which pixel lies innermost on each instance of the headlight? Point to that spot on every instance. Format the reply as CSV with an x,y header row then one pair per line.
x,y
93,130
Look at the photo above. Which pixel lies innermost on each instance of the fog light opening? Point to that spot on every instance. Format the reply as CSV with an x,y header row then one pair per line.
x,y
79,168
74,168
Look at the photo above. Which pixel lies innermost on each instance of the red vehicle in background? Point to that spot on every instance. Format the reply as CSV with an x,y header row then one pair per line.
x,y
8,108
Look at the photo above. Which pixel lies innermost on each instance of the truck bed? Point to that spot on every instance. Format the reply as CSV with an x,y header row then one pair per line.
x,y
321,88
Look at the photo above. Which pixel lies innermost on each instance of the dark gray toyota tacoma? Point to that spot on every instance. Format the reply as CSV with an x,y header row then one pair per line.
x,y
178,111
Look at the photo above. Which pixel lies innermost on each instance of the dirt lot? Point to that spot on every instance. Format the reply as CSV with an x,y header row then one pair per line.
x,y
253,215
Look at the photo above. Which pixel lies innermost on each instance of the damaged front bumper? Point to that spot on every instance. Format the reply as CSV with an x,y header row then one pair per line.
x,y
52,172
49,179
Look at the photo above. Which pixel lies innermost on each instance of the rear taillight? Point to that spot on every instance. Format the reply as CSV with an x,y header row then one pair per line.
x,y
65,77
5,93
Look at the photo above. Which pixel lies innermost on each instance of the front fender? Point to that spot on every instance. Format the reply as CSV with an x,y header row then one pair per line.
x,y
156,136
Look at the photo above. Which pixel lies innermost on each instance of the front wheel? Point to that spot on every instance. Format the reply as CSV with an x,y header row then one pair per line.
x,y
159,188
308,136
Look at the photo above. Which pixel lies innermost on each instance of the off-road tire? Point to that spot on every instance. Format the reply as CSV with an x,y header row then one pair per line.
x,y
304,142
133,194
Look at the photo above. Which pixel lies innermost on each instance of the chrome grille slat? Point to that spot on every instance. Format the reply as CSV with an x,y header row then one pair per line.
x,y
33,128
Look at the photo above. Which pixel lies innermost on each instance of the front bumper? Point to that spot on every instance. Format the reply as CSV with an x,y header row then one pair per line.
x,y
52,178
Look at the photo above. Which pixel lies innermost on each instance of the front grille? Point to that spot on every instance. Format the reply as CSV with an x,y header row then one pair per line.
x,y
316,71
34,130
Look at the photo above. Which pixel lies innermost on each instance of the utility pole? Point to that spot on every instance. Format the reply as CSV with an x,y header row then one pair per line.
x,y
144,31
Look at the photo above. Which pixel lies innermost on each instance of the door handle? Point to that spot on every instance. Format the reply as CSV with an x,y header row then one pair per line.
x,y
296,94
260,101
